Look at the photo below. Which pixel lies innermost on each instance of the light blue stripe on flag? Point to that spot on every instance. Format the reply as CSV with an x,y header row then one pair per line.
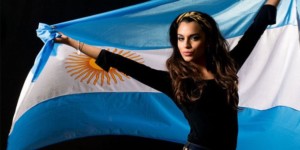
x,y
274,129
144,115
150,115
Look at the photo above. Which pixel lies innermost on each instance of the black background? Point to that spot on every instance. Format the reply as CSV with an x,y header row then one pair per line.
x,y
19,47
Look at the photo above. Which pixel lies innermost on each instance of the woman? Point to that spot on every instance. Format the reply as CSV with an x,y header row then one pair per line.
x,y
202,74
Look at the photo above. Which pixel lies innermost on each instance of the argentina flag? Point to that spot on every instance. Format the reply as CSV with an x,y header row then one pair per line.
x,y
67,96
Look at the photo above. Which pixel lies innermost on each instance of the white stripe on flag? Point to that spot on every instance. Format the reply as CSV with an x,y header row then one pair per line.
x,y
69,73
270,77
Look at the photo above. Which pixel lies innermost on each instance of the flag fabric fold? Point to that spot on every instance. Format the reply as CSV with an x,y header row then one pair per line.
x,y
46,34
67,96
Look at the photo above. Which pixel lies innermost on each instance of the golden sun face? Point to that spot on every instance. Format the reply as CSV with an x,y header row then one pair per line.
x,y
84,68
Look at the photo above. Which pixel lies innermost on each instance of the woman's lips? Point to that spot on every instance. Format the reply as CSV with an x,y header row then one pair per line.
x,y
187,53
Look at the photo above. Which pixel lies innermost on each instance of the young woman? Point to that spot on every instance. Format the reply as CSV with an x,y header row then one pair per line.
x,y
202,74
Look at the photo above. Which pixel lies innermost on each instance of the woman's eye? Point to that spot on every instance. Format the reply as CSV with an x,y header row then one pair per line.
x,y
180,38
195,38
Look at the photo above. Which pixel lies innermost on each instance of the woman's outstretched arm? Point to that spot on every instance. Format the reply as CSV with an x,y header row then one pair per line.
x,y
266,16
89,50
157,79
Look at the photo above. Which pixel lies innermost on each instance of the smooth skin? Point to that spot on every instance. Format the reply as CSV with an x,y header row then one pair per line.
x,y
192,44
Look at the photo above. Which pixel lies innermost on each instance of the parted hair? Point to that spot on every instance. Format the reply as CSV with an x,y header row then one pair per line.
x,y
187,81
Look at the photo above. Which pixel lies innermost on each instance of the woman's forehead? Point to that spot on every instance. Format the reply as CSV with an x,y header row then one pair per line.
x,y
189,28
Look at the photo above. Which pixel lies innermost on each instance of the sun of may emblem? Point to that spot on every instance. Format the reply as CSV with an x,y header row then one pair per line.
x,y
84,68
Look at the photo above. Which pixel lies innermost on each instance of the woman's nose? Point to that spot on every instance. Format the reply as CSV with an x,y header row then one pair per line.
x,y
187,44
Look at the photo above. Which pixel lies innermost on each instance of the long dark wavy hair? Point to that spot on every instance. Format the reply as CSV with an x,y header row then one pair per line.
x,y
187,81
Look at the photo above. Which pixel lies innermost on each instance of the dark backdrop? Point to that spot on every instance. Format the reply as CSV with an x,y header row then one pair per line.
x,y
20,45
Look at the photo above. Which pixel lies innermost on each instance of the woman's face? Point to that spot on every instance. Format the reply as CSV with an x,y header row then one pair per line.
x,y
191,41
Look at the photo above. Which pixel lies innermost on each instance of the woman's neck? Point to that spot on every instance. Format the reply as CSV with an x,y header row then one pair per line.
x,y
206,74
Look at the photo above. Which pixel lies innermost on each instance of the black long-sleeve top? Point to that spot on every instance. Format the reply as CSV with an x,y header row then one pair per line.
x,y
213,122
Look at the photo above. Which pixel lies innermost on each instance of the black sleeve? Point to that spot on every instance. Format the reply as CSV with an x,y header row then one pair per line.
x,y
266,16
157,79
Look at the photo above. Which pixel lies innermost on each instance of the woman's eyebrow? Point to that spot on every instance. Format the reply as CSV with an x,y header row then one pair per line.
x,y
190,34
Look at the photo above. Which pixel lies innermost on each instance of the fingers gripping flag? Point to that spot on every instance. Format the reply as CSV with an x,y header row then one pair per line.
x,y
67,96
